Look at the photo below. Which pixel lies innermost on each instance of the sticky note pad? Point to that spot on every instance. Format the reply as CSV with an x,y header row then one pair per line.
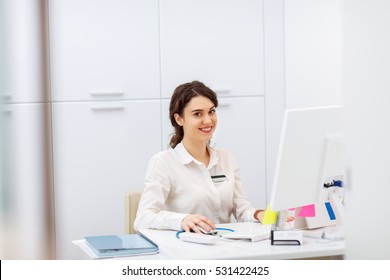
x,y
269,216
307,211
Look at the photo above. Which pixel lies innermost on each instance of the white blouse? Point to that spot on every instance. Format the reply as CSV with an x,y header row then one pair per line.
x,y
176,185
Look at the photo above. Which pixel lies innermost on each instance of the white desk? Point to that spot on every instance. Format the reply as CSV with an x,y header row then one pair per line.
x,y
174,248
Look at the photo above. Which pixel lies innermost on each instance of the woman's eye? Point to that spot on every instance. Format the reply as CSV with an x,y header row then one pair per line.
x,y
198,114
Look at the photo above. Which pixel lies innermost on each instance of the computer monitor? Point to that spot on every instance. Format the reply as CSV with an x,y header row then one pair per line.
x,y
310,154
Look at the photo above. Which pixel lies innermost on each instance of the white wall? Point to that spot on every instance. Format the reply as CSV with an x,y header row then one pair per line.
x,y
274,82
312,53
367,99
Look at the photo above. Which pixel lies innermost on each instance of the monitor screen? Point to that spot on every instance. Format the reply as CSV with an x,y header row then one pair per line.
x,y
310,155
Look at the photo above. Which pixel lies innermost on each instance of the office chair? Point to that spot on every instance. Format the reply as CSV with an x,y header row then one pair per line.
x,y
131,206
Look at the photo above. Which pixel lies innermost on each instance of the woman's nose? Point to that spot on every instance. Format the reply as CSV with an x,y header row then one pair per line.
x,y
207,119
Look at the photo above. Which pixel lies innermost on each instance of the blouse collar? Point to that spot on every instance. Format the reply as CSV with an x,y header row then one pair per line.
x,y
185,157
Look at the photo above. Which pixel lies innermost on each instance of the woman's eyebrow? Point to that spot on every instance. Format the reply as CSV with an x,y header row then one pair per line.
x,y
201,110
197,110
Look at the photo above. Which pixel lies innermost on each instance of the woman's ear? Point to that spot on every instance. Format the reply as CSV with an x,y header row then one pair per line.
x,y
178,119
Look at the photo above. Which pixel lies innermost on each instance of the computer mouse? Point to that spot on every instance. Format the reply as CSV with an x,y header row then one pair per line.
x,y
211,232
198,238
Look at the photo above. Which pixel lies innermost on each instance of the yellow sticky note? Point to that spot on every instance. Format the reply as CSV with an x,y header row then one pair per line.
x,y
269,216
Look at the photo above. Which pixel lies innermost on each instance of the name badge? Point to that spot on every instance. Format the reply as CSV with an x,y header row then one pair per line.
x,y
219,178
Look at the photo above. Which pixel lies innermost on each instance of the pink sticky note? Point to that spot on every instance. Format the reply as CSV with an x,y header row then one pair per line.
x,y
307,211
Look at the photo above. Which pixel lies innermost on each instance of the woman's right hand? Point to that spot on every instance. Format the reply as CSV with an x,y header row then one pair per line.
x,y
193,221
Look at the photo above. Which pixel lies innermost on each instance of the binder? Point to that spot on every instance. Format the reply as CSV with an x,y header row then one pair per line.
x,y
108,246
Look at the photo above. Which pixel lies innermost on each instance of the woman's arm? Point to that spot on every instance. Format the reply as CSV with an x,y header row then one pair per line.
x,y
152,211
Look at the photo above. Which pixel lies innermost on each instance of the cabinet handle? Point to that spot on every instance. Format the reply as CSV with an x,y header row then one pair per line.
x,y
107,94
224,105
222,91
108,108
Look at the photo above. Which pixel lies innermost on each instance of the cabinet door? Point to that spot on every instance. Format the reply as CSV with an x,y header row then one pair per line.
x,y
240,130
217,42
23,181
101,150
104,49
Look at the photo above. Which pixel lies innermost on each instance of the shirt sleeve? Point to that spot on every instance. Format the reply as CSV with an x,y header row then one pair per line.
x,y
151,210
243,210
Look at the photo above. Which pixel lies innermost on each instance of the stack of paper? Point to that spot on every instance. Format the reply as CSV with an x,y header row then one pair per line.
x,y
107,246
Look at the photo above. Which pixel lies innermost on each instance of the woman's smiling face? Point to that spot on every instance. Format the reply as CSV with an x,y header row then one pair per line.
x,y
199,119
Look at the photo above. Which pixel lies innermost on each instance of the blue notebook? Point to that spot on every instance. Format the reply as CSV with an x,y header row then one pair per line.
x,y
106,246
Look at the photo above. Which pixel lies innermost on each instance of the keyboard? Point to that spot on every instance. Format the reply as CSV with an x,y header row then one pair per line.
x,y
249,231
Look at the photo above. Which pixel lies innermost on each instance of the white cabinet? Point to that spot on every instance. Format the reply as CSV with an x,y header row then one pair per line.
x,y
240,130
104,49
217,42
101,150
105,88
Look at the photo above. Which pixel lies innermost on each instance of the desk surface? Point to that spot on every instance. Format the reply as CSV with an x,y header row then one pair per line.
x,y
174,248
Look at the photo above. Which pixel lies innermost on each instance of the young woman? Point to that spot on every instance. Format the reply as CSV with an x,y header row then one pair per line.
x,y
193,185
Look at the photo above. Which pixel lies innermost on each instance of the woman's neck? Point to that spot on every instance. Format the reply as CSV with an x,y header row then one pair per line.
x,y
198,151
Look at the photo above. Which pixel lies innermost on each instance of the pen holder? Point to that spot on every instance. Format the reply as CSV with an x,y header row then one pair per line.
x,y
286,237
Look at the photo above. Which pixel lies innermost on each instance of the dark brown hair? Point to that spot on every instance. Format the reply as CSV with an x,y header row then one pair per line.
x,y
180,97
